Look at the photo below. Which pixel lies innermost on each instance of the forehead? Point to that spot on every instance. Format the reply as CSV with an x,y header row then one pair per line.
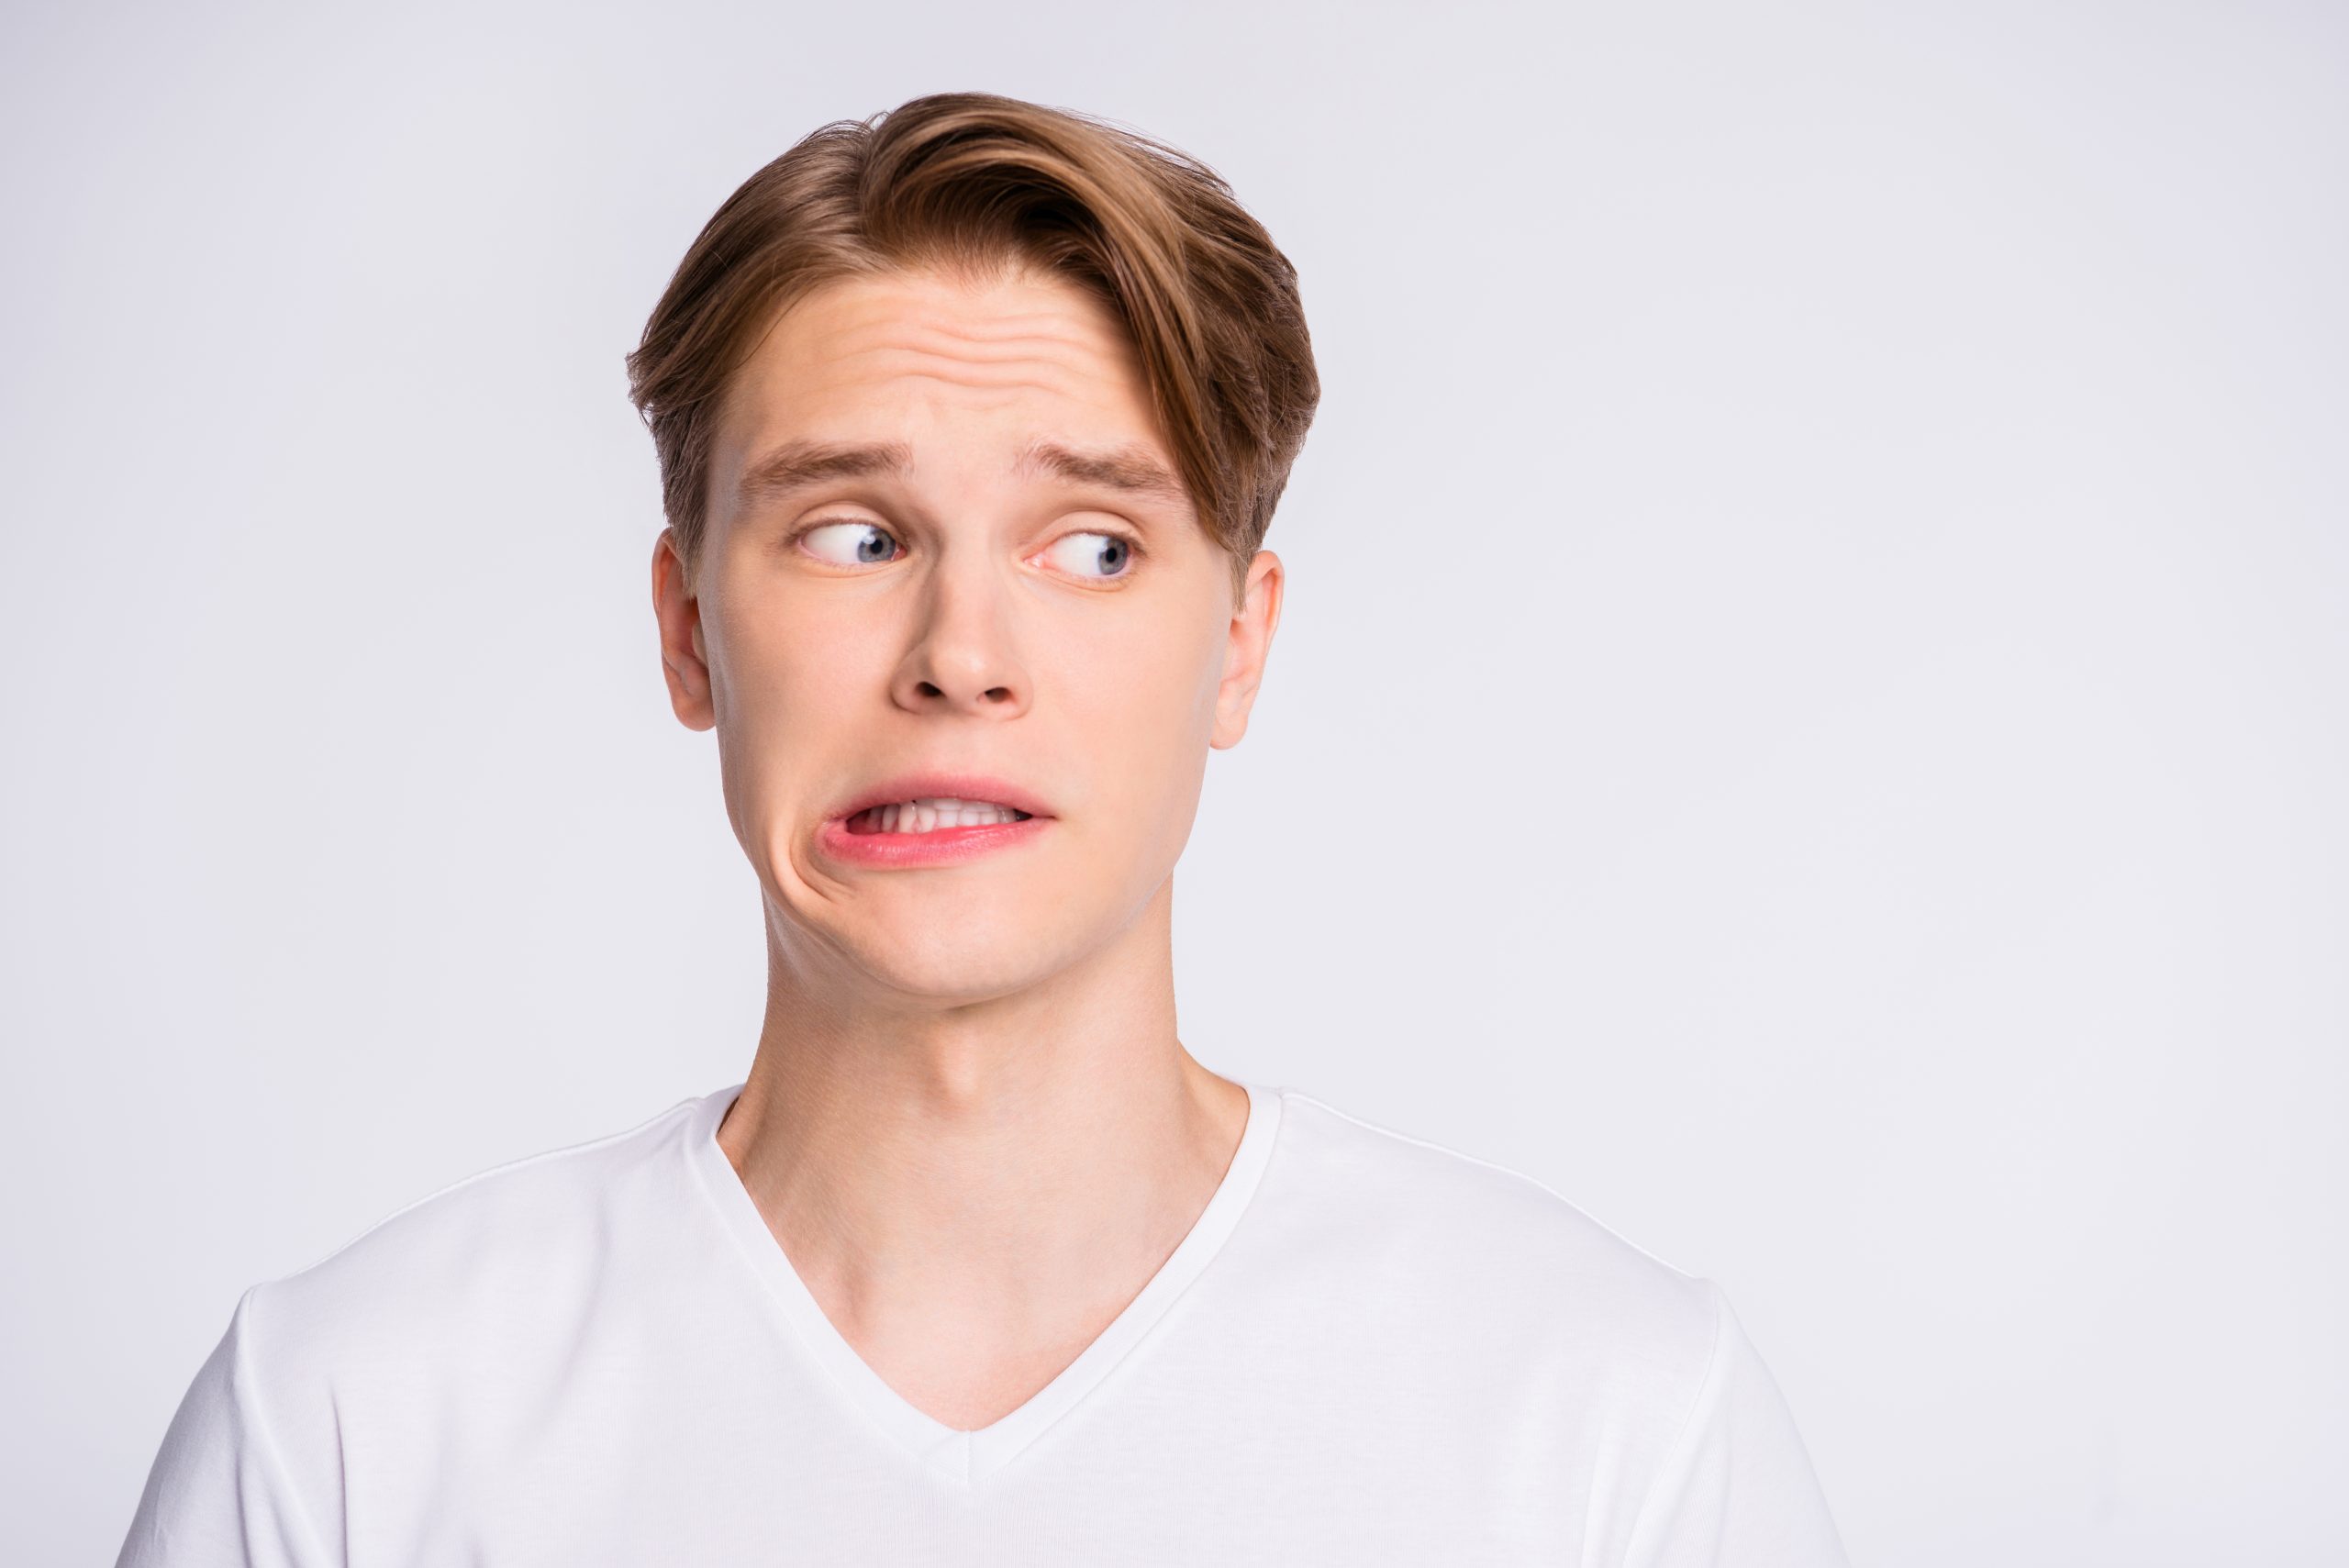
x,y
927,359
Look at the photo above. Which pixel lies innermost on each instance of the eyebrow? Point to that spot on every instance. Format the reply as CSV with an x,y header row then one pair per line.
x,y
795,465
1126,468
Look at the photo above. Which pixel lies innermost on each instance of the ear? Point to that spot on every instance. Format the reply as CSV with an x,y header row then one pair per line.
x,y
683,659
1251,641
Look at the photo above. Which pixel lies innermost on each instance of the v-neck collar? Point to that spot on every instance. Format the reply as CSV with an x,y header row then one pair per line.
x,y
973,1456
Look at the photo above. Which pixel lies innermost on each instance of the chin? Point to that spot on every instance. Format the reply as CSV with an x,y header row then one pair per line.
x,y
987,965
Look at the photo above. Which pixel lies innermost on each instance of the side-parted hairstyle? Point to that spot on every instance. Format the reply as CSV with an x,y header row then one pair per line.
x,y
964,182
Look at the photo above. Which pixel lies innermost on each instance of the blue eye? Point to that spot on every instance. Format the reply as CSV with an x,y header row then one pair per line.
x,y
1099,555
861,551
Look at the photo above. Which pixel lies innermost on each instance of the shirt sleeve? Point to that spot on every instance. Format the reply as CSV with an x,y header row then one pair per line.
x,y
217,1495
1737,1489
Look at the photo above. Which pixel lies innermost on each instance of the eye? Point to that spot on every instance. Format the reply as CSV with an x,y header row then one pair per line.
x,y
828,542
1102,556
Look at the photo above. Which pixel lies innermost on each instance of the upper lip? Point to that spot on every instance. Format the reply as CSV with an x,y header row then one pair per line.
x,y
953,787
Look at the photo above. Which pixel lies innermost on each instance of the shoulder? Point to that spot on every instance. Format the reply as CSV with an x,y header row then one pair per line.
x,y
1481,1240
1511,1298
465,1260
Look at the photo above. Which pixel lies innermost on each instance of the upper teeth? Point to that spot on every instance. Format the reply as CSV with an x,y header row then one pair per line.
x,y
933,812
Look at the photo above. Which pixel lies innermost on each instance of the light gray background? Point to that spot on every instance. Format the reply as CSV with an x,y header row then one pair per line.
x,y
1810,715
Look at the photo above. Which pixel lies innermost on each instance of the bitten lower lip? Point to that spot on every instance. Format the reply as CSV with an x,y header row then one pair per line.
x,y
941,846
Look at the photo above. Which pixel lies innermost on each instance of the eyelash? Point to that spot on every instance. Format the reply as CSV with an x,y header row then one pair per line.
x,y
1133,546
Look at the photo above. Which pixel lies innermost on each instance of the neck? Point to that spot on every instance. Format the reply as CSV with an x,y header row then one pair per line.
x,y
1016,1166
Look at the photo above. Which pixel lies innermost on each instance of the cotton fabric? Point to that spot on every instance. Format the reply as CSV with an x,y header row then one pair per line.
x,y
1368,1350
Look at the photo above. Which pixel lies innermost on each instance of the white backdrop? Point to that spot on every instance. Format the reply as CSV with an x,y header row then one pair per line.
x,y
1810,715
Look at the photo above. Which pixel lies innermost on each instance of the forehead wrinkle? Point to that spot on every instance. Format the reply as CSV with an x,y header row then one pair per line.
x,y
1041,375
863,346
870,367
992,329
926,313
1035,330
1069,352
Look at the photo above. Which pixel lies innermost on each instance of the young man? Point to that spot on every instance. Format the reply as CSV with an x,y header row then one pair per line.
x,y
971,420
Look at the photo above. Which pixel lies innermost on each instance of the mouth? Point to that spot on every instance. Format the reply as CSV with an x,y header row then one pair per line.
x,y
930,814
934,818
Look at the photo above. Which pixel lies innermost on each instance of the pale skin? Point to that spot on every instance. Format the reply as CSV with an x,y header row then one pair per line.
x,y
969,1122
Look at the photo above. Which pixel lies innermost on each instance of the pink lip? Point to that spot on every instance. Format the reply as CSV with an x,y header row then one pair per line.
x,y
941,846
951,786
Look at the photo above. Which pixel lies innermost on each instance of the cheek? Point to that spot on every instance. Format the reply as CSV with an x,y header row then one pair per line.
x,y
792,658
1144,711
789,682
1151,680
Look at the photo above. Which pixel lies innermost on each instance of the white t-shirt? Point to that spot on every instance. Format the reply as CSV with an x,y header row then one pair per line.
x,y
1368,1350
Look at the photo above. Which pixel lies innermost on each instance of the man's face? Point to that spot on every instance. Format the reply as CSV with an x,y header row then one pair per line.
x,y
935,546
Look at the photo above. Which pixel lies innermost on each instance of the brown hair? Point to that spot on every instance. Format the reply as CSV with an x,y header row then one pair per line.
x,y
962,180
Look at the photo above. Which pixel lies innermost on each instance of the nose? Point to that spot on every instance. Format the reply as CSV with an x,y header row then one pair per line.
x,y
963,656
